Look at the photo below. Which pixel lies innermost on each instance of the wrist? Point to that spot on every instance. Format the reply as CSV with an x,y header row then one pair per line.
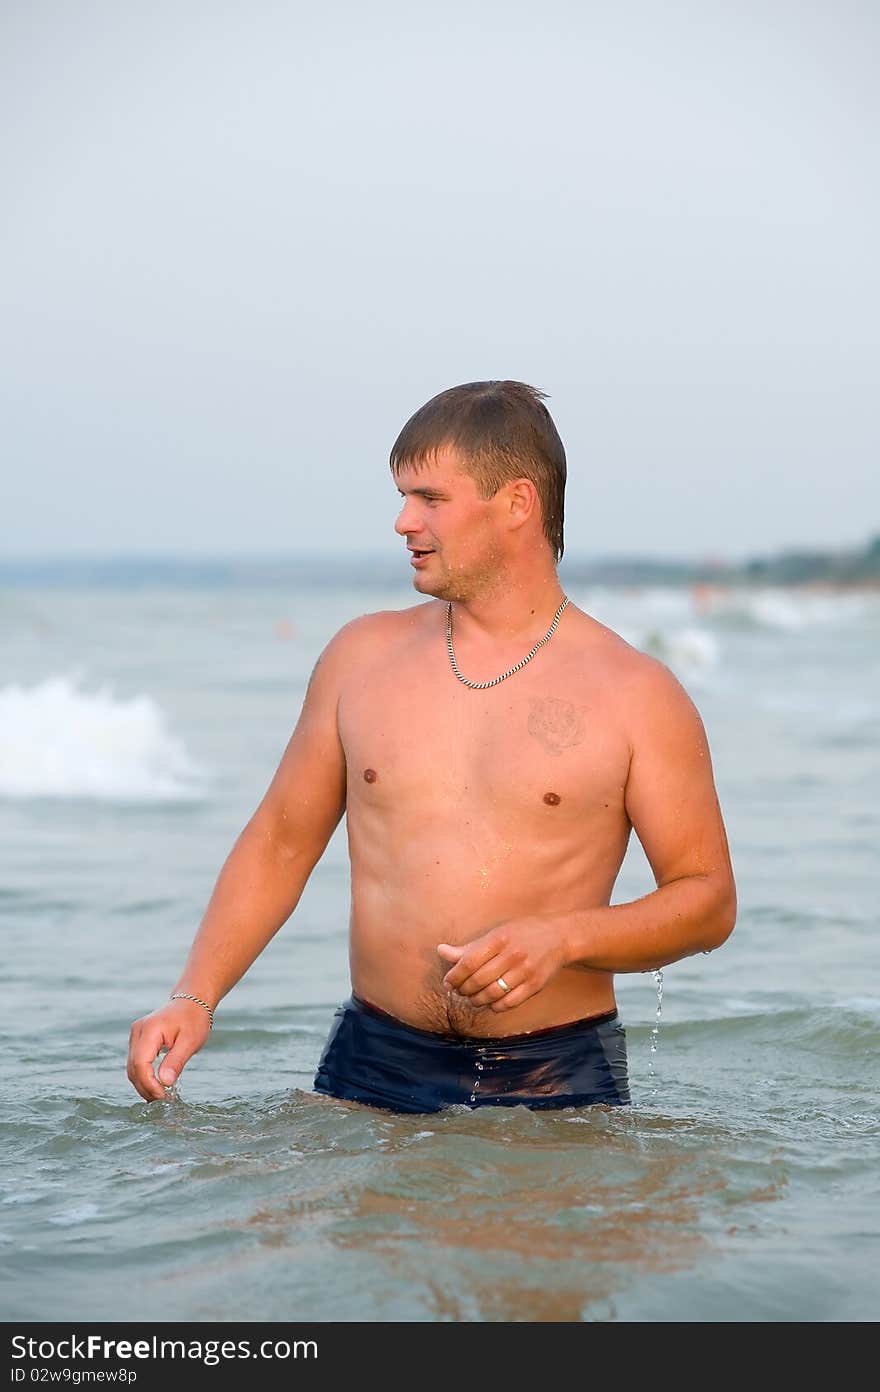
x,y
197,1000
570,931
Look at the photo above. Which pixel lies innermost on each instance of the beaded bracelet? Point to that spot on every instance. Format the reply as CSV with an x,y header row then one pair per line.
x,y
185,995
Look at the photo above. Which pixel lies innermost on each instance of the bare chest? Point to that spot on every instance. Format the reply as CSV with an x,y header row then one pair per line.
x,y
546,744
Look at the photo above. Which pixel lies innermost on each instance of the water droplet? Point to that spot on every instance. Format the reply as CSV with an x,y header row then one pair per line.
x,y
655,1032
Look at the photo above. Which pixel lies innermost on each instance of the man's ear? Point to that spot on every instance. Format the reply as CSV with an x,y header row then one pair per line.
x,y
522,500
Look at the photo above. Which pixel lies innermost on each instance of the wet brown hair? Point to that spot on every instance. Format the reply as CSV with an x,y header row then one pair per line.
x,y
502,432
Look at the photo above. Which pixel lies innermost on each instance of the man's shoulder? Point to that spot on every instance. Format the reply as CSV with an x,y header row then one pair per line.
x,y
383,623
656,708
605,652
359,642
367,634
644,687
633,665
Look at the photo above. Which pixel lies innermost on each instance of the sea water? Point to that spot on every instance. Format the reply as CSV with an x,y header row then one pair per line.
x,y
139,728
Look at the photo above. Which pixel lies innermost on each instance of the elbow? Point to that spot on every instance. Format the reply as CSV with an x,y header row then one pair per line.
x,y
722,920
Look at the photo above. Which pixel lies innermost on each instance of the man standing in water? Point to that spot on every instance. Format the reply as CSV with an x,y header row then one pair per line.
x,y
492,749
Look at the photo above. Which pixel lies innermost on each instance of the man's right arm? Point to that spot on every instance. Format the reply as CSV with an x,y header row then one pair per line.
x,y
263,877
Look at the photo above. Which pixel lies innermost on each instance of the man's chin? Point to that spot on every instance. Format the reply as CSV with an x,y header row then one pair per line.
x,y
425,585
438,586
436,591
426,588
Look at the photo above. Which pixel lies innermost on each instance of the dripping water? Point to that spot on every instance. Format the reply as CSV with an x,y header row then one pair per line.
x,y
476,1083
655,1031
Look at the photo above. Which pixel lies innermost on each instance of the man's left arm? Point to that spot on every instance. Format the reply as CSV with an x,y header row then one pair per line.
x,y
671,800
672,803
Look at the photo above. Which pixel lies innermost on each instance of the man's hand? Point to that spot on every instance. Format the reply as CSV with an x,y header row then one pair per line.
x,y
181,1027
526,952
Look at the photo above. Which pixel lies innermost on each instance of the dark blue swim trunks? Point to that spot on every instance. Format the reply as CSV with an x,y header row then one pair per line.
x,y
372,1057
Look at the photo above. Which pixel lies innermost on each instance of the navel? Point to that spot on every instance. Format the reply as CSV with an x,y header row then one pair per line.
x,y
552,799
370,775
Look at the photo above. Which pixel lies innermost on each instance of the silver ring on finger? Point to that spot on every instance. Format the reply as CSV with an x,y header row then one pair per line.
x,y
503,984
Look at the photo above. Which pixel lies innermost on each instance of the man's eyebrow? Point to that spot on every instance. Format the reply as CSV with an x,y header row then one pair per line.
x,y
424,492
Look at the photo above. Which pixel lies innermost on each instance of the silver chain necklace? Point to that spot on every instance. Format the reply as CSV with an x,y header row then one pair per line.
x,y
481,686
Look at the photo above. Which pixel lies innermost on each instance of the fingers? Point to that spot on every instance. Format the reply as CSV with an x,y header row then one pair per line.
x,y
509,1000
486,950
519,984
178,1030
492,992
451,953
520,952
481,986
479,981
172,1065
145,1043
141,1052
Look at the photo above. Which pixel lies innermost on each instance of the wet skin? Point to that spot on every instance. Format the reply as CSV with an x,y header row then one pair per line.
x,y
486,828
468,808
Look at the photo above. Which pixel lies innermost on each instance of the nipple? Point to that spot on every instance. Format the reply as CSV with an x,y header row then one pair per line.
x,y
370,775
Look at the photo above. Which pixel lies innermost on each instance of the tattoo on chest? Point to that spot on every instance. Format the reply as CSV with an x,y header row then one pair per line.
x,y
557,724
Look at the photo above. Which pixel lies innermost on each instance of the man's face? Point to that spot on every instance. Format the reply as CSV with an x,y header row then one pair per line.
x,y
444,516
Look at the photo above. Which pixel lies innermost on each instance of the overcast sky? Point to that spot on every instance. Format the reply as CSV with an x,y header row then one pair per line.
x,y
243,242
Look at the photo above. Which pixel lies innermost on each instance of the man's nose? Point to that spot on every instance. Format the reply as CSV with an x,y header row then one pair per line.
x,y
408,521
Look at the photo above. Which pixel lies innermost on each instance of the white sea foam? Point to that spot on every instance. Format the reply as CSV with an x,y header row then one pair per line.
x,y
689,649
784,610
60,741
661,622
870,1004
670,602
70,1217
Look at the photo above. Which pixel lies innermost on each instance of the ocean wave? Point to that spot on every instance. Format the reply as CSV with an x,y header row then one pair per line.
x,y
842,1026
778,608
60,741
688,650
781,610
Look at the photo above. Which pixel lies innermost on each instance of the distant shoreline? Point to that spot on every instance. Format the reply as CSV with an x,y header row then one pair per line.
x,y
853,569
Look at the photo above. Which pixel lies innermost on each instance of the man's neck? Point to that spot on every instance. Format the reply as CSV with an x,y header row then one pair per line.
x,y
512,608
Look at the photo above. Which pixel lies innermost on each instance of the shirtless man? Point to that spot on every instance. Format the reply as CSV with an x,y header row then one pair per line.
x,y
492,749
